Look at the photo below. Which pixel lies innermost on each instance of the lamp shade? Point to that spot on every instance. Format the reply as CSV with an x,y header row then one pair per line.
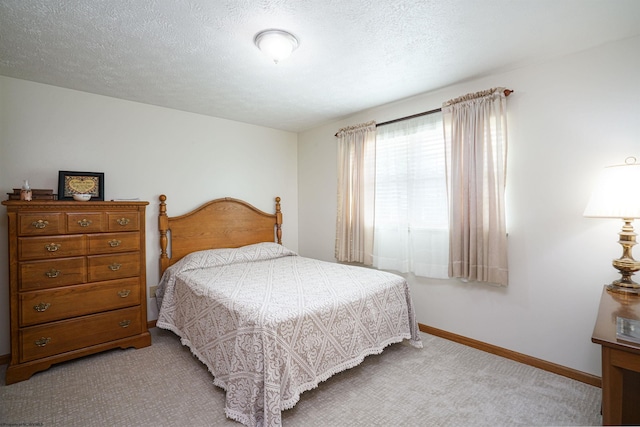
x,y
617,192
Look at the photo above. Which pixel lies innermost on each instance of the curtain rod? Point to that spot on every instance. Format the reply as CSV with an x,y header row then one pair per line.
x,y
507,92
413,116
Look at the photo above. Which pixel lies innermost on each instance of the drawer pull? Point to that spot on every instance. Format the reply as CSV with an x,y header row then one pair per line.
x,y
42,342
84,222
40,223
41,307
123,221
53,273
52,247
114,243
115,266
125,323
124,293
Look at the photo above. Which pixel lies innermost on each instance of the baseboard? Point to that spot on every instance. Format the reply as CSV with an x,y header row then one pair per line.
x,y
151,324
518,357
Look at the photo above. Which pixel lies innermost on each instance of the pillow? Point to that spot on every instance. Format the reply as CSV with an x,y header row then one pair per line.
x,y
225,256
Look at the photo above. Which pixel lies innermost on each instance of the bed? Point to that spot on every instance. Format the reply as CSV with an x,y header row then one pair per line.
x,y
268,323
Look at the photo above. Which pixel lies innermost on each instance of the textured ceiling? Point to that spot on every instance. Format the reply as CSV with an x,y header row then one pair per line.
x,y
198,55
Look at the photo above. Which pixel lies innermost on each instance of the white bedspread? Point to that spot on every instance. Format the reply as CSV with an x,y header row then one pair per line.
x,y
270,324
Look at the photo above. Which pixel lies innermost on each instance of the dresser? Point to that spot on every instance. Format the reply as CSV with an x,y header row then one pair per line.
x,y
77,281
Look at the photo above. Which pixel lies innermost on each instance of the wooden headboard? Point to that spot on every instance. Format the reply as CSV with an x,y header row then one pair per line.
x,y
220,223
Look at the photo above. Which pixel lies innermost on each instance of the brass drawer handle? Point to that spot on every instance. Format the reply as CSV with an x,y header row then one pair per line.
x,y
41,307
53,273
114,243
42,342
115,266
123,221
84,222
124,293
52,247
125,323
40,223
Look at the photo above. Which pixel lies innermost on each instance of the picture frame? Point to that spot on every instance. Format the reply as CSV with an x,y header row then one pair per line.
x,y
70,183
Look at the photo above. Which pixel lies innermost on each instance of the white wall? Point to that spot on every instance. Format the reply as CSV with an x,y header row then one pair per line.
x,y
144,151
568,118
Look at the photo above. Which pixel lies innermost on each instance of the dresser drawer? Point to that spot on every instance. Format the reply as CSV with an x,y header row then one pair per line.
x,y
113,242
53,273
50,247
62,303
67,335
123,221
110,267
40,224
84,222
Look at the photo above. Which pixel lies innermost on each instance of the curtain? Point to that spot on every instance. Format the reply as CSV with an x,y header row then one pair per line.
x,y
356,183
475,127
411,215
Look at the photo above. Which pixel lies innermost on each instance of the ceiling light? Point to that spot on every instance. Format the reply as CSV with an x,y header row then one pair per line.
x,y
276,44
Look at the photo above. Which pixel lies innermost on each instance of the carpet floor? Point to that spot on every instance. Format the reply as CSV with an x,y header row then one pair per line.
x,y
443,384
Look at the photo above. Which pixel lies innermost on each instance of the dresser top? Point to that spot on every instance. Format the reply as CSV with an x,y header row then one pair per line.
x,y
73,204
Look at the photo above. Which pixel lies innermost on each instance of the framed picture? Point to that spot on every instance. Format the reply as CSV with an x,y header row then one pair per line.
x,y
70,183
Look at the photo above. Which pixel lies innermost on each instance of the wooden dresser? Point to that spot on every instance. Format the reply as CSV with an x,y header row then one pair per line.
x,y
77,281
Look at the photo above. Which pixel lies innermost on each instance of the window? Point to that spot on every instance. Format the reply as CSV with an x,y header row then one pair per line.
x,y
415,226
411,232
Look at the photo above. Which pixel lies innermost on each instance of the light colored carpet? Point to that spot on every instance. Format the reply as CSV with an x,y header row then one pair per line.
x,y
443,384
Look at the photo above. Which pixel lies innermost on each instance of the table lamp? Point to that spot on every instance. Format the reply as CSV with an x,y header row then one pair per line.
x,y
617,195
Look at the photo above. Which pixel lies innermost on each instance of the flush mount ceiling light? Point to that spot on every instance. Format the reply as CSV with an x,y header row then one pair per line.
x,y
276,44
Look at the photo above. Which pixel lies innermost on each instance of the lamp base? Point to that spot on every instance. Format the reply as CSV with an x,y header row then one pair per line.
x,y
632,288
626,265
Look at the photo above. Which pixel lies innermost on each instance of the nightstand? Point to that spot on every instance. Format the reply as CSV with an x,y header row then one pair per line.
x,y
620,360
